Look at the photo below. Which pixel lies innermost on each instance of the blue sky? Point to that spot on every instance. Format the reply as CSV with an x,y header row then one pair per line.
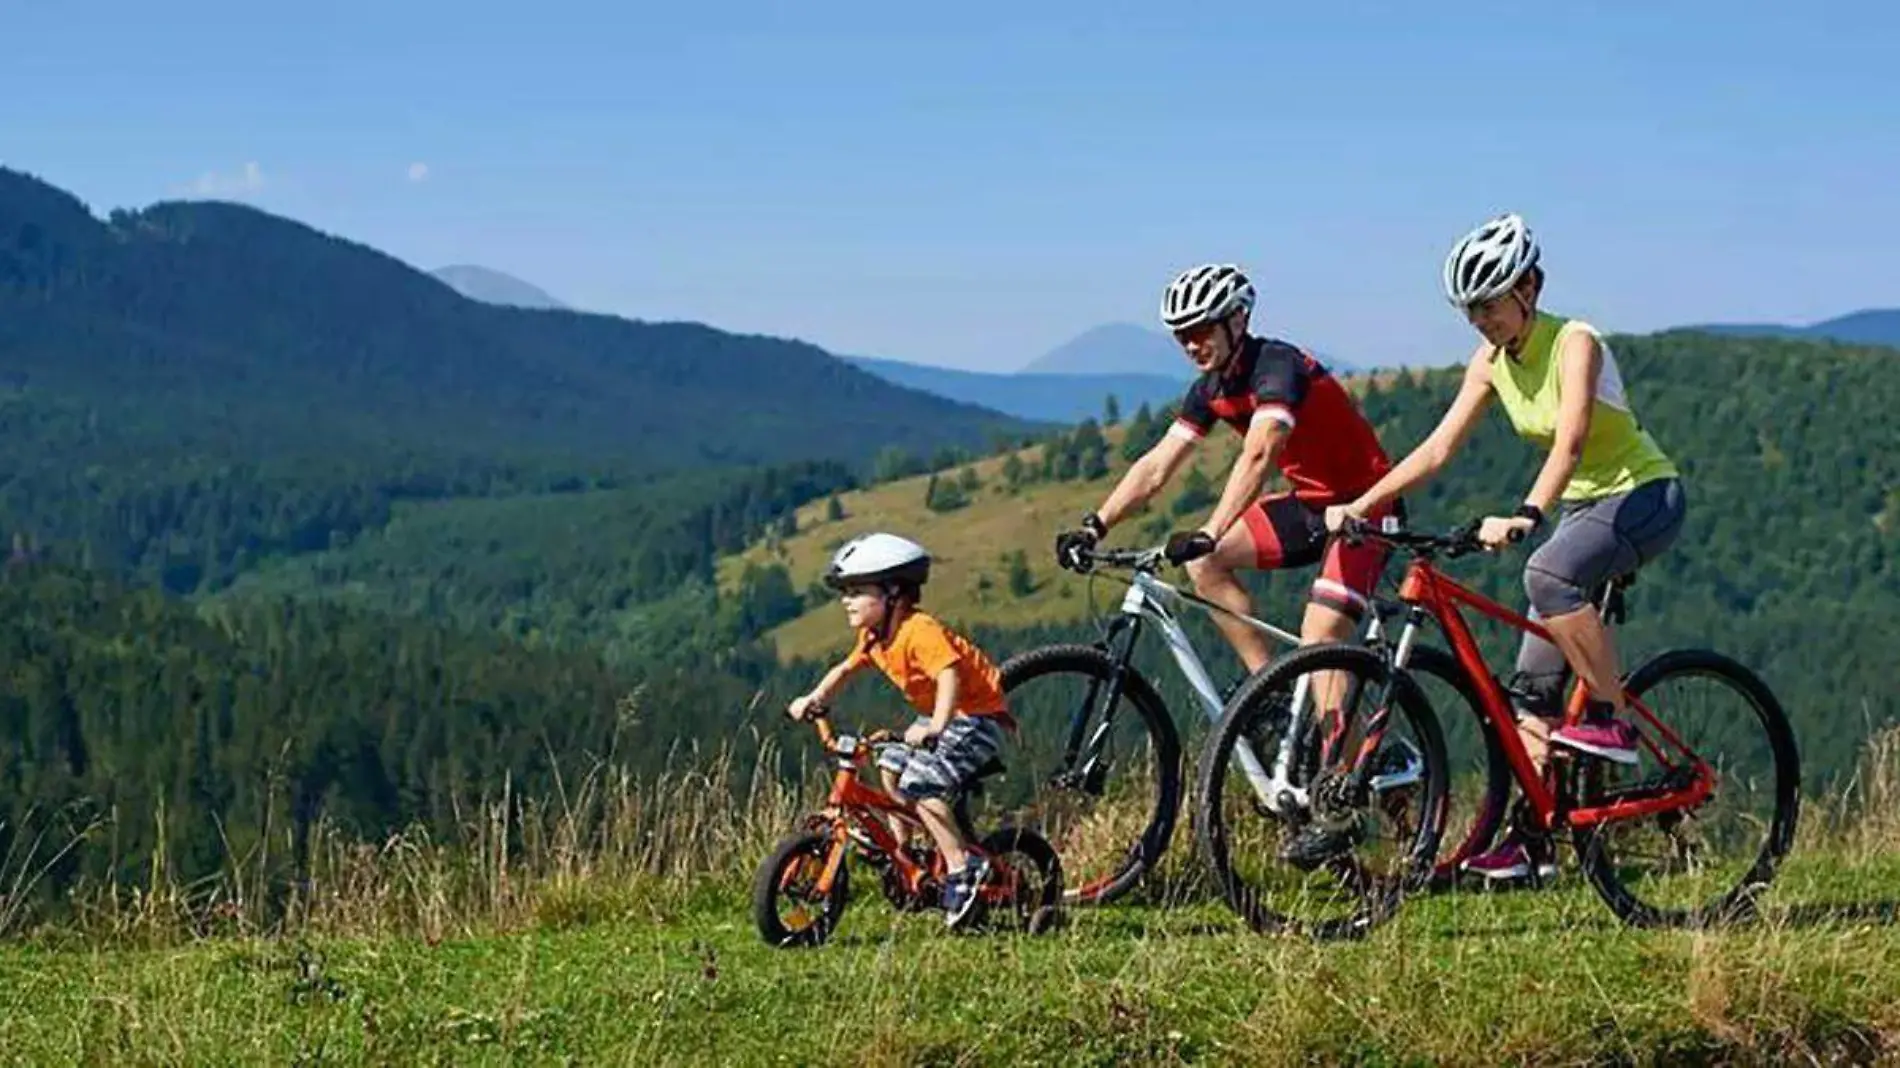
x,y
973,184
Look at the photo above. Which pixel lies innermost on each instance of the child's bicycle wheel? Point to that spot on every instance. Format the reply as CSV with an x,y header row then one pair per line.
x,y
786,903
1024,890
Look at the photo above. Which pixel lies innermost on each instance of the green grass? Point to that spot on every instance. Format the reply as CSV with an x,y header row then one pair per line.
x,y
1466,979
611,924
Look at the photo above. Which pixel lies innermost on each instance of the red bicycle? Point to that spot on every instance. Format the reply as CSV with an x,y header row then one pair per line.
x,y
802,887
1651,837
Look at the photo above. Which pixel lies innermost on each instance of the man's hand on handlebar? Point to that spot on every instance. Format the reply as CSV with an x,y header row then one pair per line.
x,y
1072,546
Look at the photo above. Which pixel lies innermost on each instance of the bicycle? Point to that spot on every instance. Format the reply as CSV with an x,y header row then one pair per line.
x,y
1575,793
1088,756
808,867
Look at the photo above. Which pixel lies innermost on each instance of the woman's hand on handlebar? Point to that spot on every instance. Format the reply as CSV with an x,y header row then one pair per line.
x,y
1337,515
1498,531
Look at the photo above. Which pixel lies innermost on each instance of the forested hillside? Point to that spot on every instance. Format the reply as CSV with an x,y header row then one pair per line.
x,y
191,387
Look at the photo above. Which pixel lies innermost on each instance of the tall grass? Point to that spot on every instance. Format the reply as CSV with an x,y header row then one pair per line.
x,y
615,845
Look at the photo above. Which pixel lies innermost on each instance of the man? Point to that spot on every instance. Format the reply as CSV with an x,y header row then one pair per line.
x,y
1291,414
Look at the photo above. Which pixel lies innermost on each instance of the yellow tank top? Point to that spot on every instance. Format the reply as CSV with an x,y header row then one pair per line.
x,y
1618,454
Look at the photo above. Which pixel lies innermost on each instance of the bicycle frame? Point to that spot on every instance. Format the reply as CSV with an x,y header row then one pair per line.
x,y
1152,600
1430,592
853,806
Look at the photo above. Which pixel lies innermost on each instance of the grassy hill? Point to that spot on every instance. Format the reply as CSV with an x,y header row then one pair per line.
x,y
970,576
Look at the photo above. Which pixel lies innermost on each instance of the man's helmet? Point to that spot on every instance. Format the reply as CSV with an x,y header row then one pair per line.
x,y
1488,261
879,559
1205,294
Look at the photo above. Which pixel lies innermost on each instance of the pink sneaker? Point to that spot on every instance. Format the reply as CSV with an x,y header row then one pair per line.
x,y
1510,860
1611,739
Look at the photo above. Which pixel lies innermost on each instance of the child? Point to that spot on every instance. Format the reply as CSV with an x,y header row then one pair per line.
x,y
956,689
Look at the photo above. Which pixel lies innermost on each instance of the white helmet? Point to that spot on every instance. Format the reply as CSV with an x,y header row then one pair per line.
x,y
1488,261
878,558
1205,294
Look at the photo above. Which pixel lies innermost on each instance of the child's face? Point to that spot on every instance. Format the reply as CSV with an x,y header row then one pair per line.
x,y
863,606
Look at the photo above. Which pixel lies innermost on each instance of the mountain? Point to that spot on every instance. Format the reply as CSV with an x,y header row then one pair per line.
x,y
1874,326
191,386
493,287
1124,348
1115,348
1055,398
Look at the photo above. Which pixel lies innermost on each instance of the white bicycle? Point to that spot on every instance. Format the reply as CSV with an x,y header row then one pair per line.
x,y
1103,754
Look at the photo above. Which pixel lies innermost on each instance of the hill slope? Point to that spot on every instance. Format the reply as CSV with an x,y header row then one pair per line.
x,y
494,287
195,381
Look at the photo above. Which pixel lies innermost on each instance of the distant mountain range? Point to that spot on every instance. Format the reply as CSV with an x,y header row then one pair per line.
x,y
1115,348
1874,326
493,287
1059,398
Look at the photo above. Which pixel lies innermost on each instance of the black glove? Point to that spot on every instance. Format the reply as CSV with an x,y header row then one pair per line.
x,y
1071,545
1185,545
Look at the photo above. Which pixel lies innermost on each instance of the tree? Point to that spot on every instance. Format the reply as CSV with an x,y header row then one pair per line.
x,y
1140,435
1197,493
1022,582
1111,411
968,480
834,509
944,495
1013,471
894,462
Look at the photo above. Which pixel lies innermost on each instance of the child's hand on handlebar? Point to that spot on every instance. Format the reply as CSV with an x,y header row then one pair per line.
x,y
804,706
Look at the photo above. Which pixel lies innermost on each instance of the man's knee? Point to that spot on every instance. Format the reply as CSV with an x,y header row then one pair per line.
x,y
1208,573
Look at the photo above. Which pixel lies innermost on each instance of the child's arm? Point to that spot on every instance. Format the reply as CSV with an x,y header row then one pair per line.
x,y
821,694
940,716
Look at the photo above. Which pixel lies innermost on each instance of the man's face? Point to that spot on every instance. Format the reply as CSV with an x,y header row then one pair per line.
x,y
1206,345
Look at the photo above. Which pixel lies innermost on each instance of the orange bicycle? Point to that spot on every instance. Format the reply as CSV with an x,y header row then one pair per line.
x,y
801,889
1688,836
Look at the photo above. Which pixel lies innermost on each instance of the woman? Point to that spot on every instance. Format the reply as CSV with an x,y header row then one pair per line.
x,y
1621,497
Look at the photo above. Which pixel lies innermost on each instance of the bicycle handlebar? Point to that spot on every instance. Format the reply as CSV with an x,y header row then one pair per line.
x,y
1145,560
1460,541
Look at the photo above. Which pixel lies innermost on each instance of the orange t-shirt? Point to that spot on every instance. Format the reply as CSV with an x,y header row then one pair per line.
x,y
920,649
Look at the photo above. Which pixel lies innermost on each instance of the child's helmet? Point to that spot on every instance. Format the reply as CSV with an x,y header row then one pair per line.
x,y
879,558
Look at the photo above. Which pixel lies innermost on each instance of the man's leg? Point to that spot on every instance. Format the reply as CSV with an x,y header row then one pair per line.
x,y
1258,541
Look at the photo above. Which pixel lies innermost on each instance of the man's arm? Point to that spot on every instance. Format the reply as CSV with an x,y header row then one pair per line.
x,y
1266,435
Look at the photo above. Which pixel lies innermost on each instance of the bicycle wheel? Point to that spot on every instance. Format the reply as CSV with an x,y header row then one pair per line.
x,y
1667,869
786,905
1110,809
1478,774
1393,830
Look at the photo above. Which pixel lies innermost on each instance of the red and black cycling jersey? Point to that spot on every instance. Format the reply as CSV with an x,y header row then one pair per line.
x,y
1331,454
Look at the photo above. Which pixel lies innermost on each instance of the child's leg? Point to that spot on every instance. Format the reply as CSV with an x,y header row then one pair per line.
x,y
942,825
936,776
893,820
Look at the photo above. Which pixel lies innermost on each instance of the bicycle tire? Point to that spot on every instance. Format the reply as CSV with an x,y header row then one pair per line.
x,y
765,893
1738,903
1152,842
1499,782
1210,779
1040,914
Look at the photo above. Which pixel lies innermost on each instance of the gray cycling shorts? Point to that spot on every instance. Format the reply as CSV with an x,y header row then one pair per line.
x,y
1594,542
929,771
1599,540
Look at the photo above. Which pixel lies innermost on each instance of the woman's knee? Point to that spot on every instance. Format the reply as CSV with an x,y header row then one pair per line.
x,y
1550,592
